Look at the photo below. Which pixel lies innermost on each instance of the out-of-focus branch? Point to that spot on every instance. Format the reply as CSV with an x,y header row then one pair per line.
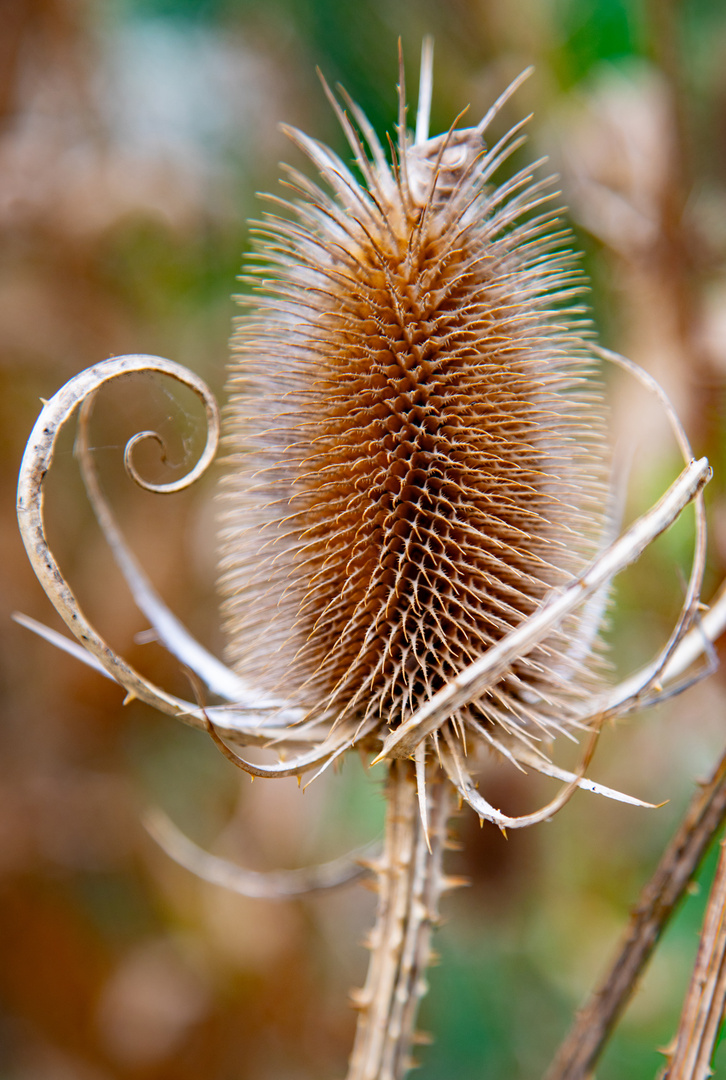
x,y
593,1024
269,885
690,1057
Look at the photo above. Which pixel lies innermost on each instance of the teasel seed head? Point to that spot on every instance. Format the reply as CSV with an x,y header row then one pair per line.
x,y
417,436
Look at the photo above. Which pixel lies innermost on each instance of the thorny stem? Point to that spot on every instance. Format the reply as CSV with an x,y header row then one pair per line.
x,y
593,1024
410,882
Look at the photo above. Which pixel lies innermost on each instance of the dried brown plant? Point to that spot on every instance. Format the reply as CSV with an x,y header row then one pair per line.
x,y
416,540
428,454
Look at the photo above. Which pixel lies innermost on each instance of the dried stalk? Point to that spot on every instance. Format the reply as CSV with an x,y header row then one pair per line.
x,y
410,882
594,1023
704,1005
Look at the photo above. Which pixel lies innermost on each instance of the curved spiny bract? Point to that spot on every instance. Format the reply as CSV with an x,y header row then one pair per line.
x,y
417,440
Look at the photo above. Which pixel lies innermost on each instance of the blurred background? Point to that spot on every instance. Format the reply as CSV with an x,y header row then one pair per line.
x,y
133,137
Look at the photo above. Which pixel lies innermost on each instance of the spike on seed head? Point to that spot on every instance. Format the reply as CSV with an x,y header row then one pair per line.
x,y
417,439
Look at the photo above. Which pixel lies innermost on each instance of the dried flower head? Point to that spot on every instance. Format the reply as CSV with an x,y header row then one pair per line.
x,y
414,526
419,448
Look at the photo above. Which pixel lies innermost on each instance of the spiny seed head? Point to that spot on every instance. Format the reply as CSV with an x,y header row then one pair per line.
x,y
417,440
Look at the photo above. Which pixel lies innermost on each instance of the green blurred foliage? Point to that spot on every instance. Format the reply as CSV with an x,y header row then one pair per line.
x,y
596,32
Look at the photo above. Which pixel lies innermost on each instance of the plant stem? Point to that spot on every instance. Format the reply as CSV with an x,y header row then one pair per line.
x,y
410,883
703,1007
594,1023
